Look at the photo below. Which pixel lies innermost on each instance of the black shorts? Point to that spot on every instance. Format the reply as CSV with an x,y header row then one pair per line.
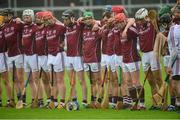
x,y
176,77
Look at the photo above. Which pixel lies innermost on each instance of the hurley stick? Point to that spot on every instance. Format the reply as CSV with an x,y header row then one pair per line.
x,y
141,90
19,104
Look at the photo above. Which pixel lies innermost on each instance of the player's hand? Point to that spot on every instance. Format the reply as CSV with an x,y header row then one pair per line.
x,y
72,19
18,20
95,27
169,70
111,20
102,28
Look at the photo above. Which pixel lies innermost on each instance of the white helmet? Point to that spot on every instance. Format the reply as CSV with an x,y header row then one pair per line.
x,y
29,12
141,13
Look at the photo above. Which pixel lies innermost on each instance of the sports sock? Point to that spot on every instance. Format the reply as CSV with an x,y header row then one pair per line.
x,y
55,102
8,101
141,95
18,96
74,99
110,98
40,102
177,101
177,104
130,100
120,99
84,101
173,101
114,99
24,98
127,100
48,100
133,93
52,98
0,103
93,98
62,101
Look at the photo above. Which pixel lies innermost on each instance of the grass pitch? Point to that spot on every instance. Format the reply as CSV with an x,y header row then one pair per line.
x,y
27,113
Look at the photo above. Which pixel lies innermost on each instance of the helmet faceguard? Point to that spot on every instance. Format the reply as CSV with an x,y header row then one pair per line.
x,y
28,12
141,13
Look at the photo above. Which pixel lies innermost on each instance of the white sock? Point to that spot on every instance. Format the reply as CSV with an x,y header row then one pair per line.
x,y
141,104
55,103
48,100
177,103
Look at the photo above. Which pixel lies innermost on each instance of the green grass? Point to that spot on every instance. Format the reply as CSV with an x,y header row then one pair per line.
x,y
11,113
85,114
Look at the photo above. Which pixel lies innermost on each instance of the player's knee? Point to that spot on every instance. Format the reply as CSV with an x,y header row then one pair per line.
x,y
177,88
170,84
31,81
136,83
60,82
129,83
45,82
93,82
82,82
73,83
20,75
123,82
115,82
99,82
158,79
21,81
45,79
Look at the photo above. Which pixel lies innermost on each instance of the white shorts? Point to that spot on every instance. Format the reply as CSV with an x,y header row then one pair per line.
x,y
31,63
118,60
57,62
108,61
166,60
149,59
131,67
42,63
74,63
176,67
3,63
95,67
18,59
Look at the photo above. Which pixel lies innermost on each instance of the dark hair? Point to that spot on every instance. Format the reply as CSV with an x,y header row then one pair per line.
x,y
68,13
8,11
106,14
166,18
